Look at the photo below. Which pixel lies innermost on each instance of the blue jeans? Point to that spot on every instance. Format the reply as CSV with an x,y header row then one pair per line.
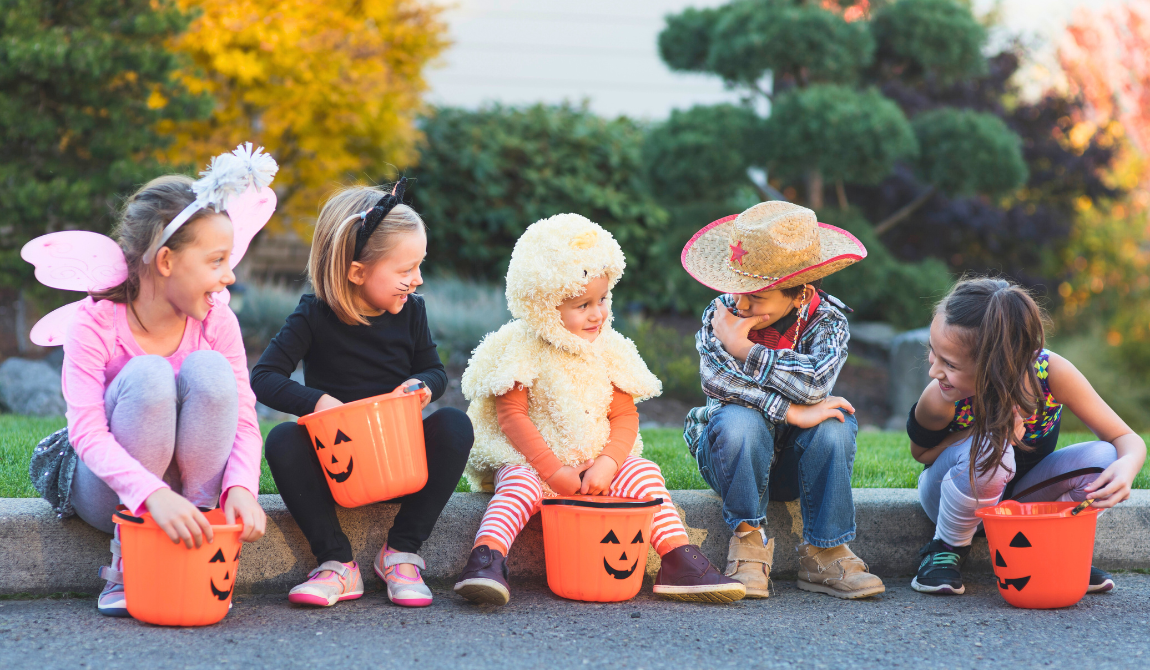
x,y
748,461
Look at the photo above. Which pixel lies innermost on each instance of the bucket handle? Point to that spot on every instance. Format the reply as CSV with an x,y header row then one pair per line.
x,y
128,517
604,505
1054,480
415,387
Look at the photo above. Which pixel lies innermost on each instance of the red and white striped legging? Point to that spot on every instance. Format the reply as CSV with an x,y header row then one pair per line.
x,y
518,493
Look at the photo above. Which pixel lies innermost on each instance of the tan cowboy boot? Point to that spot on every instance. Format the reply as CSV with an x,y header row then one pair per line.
x,y
836,572
749,561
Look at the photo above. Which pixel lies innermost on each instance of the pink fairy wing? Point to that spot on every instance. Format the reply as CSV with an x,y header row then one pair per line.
x,y
249,212
76,260
50,331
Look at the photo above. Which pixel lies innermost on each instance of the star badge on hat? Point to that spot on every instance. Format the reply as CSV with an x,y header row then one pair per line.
x,y
737,252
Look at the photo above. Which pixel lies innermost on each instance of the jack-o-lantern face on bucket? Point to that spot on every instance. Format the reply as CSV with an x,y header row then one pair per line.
x,y
636,551
227,580
341,474
1019,583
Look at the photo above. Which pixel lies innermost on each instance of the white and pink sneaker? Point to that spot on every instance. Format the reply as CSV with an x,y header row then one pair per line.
x,y
111,601
402,590
328,584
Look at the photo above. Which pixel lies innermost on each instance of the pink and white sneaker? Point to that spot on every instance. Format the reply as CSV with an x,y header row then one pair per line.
x,y
402,590
111,601
328,584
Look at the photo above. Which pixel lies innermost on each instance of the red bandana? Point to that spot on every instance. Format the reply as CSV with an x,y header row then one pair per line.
x,y
772,338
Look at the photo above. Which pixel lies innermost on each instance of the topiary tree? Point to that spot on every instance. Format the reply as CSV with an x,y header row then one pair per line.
x,y
702,151
830,131
812,66
796,42
991,158
929,39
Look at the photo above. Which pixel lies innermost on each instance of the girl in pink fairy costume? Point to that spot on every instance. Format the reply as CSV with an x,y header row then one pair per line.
x,y
160,412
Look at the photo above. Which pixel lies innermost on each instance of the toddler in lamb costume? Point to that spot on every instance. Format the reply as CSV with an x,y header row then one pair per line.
x,y
553,397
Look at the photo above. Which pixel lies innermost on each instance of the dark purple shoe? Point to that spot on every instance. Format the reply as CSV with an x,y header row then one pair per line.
x,y
686,574
484,578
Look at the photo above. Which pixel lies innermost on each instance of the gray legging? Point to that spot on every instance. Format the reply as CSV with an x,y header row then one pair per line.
x,y
948,499
155,416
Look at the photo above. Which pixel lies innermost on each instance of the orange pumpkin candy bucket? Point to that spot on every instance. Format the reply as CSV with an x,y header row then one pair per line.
x,y
168,584
371,449
1041,553
596,546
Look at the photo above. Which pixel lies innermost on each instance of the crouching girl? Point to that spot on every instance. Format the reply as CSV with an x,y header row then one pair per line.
x,y
987,426
553,402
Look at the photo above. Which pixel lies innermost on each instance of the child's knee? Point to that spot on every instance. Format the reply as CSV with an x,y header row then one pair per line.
x,y
1099,454
518,477
285,443
836,436
648,470
208,376
529,490
986,485
150,377
735,429
207,362
453,424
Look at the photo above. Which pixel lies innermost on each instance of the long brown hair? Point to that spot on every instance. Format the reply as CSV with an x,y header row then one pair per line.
x,y
140,224
1003,330
333,245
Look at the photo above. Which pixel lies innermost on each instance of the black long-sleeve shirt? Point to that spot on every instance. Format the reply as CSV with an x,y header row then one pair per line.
x,y
346,362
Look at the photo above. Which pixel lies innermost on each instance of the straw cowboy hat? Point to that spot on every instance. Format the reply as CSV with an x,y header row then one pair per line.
x,y
773,245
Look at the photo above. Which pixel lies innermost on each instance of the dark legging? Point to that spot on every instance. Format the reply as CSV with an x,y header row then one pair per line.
x,y
448,436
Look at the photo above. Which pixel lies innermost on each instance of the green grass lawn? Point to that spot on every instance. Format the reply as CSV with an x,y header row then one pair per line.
x,y
883,459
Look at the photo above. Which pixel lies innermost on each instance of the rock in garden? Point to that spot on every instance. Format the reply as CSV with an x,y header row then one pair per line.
x,y
31,387
908,373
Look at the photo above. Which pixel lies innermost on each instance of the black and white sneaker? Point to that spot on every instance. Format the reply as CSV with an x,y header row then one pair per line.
x,y
940,571
1100,582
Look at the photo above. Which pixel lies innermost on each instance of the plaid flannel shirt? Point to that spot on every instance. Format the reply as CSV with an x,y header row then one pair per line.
x,y
770,379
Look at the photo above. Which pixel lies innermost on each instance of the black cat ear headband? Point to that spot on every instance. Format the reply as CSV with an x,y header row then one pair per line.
x,y
369,220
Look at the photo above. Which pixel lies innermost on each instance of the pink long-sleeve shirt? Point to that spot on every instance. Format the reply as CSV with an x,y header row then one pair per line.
x,y
98,345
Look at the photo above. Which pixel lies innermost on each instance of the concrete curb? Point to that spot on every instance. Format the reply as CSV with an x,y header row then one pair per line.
x,y
43,554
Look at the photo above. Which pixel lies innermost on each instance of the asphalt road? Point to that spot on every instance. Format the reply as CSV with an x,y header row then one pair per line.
x,y
792,629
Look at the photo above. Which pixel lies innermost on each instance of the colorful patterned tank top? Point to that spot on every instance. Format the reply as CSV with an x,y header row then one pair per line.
x,y
1036,427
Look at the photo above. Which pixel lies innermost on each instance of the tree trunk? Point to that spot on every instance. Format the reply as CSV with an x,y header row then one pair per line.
x,y
764,187
910,208
815,190
841,192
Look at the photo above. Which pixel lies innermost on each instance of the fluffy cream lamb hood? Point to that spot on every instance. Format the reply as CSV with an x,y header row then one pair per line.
x,y
568,379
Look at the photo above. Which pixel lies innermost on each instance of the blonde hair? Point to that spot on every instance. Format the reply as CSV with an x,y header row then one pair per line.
x,y
140,224
333,245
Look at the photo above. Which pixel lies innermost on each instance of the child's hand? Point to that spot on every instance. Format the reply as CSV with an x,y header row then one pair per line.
x,y
326,402
732,330
597,480
809,416
565,481
1113,485
240,502
425,392
179,518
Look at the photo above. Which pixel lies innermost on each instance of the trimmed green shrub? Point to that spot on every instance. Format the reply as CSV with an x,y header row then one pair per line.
x,y
881,287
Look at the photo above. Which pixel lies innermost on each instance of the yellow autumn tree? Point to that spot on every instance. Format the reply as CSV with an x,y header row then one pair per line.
x,y
332,88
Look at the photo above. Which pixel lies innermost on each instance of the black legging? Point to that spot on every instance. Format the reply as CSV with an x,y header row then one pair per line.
x,y
448,436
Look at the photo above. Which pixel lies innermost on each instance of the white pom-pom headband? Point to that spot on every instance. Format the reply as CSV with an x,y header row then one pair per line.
x,y
228,175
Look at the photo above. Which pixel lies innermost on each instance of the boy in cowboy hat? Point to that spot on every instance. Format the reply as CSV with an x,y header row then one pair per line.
x,y
771,348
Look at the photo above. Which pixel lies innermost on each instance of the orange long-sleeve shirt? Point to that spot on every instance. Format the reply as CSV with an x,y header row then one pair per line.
x,y
511,411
